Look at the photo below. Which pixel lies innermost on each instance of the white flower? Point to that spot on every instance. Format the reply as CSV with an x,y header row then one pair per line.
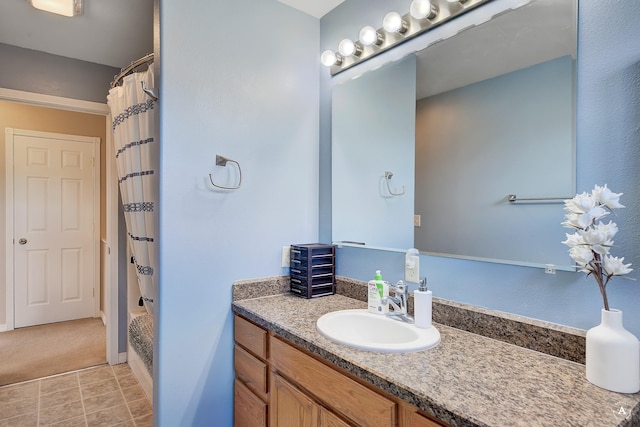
x,y
582,255
589,246
583,210
599,237
614,266
606,197
574,239
573,221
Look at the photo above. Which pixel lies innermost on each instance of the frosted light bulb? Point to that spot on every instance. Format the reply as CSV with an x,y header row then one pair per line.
x,y
421,9
329,58
347,47
65,8
369,36
393,23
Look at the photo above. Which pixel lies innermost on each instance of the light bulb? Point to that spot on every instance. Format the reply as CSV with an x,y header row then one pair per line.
x,y
393,23
65,8
329,58
348,47
421,9
369,36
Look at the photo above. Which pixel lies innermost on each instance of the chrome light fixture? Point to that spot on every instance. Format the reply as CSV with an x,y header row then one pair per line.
x,y
329,58
421,9
348,47
369,36
423,16
393,23
60,7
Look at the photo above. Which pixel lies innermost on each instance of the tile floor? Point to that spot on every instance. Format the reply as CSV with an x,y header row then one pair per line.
x,y
100,396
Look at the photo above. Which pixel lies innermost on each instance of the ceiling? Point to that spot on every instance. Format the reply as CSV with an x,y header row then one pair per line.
x,y
110,32
538,32
316,8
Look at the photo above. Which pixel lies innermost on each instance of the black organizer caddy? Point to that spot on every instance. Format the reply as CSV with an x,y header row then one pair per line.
x,y
313,270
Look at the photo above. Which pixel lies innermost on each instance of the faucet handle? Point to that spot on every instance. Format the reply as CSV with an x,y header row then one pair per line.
x,y
400,287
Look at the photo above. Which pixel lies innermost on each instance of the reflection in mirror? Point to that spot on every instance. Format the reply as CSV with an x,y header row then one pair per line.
x,y
373,170
494,116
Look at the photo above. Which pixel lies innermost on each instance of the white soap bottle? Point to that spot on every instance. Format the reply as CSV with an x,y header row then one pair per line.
x,y
378,290
422,305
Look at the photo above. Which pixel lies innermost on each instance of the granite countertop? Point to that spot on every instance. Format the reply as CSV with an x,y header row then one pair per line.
x,y
467,380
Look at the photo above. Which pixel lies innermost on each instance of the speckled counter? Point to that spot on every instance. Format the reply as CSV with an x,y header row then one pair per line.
x,y
467,380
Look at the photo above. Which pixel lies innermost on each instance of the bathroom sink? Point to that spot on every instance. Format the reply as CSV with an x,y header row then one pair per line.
x,y
374,332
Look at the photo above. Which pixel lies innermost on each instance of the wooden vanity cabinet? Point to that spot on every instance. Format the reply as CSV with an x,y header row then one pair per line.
x,y
251,386
280,385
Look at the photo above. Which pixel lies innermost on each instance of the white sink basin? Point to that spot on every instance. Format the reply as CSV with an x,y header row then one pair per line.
x,y
375,332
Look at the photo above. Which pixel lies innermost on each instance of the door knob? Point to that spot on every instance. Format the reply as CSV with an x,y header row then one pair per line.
x,y
22,241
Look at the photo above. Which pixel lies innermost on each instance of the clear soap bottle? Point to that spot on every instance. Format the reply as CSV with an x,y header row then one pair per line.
x,y
422,305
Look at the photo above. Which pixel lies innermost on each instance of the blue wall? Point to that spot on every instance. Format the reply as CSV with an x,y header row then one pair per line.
x,y
608,145
373,132
466,166
39,72
238,79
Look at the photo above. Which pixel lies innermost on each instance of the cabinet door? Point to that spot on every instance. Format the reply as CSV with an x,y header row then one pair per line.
x,y
290,407
340,394
418,420
248,409
328,419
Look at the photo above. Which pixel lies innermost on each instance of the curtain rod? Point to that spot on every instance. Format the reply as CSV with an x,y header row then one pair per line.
x,y
129,69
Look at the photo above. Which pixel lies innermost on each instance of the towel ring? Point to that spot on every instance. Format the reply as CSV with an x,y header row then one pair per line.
x,y
387,176
222,161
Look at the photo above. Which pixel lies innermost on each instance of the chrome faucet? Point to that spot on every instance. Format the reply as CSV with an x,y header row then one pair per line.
x,y
399,302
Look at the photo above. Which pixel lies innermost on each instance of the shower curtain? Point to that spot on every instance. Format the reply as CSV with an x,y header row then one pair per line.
x,y
136,147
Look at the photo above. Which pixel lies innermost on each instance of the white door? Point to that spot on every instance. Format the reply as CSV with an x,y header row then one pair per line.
x,y
54,227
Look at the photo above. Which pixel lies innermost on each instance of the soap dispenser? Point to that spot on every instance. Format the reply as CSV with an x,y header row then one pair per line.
x,y
378,290
422,302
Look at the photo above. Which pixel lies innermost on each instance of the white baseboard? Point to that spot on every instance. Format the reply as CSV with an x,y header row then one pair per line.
x,y
122,358
142,375
3,327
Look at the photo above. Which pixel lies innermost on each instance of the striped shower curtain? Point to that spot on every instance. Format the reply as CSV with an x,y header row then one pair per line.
x,y
136,147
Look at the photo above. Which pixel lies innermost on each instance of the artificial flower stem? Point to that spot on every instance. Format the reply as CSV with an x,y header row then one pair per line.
x,y
597,273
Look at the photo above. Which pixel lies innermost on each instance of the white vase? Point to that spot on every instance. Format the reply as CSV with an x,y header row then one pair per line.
x,y
613,355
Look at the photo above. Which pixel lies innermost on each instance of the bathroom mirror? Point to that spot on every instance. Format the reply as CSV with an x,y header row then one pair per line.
x,y
492,115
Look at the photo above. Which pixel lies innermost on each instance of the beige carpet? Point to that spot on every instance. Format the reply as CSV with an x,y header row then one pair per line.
x,y
40,351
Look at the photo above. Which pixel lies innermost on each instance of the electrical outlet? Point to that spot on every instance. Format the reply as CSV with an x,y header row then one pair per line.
x,y
416,220
412,269
550,269
286,256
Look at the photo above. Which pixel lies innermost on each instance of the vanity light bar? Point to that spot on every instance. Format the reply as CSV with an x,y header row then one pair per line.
x,y
423,16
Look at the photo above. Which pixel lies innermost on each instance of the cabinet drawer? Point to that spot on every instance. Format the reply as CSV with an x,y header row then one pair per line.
x,y
342,394
251,337
250,370
248,409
